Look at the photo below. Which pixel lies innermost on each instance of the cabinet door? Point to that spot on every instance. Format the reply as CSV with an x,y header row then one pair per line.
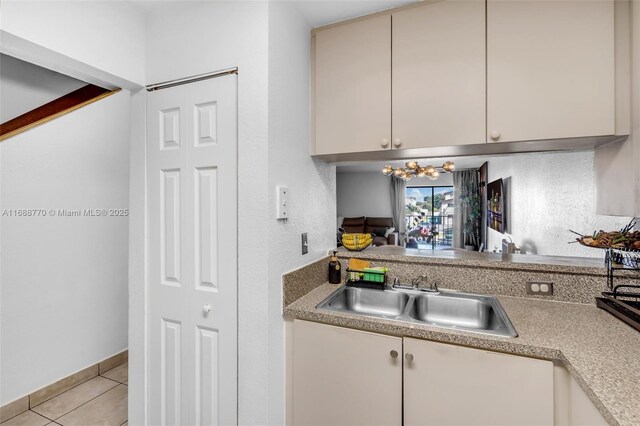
x,y
439,82
345,377
353,87
454,385
550,69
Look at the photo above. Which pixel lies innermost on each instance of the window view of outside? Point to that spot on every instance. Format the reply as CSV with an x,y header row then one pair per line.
x,y
429,217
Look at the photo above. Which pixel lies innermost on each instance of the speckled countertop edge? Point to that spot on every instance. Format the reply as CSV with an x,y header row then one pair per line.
x,y
599,351
461,258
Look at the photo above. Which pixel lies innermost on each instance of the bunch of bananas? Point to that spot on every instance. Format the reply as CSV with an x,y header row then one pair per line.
x,y
357,242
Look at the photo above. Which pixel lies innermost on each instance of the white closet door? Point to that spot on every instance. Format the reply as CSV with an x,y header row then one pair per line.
x,y
192,253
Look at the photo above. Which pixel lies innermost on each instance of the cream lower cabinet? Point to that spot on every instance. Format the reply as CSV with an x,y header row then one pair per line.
x,y
455,385
345,377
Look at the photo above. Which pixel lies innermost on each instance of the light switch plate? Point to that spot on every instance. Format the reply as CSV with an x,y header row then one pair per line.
x,y
282,208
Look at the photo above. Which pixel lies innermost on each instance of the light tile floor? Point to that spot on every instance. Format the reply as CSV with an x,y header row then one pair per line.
x,y
99,401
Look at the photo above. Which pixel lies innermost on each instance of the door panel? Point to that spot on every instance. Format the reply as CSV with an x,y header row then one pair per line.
x,y
192,287
345,377
439,82
455,385
353,86
550,69
493,388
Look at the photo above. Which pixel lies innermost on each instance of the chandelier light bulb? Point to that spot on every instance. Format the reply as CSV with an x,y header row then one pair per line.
x,y
387,170
448,166
411,165
399,172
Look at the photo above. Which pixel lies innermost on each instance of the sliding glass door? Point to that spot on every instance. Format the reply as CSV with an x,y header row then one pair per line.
x,y
429,217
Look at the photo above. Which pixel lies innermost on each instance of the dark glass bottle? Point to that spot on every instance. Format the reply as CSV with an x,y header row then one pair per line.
x,y
334,269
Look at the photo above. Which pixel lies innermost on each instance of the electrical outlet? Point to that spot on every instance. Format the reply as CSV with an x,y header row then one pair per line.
x,y
540,288
305,244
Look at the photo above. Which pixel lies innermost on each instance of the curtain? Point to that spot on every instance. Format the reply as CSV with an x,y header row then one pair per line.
x,y
465,190
398,200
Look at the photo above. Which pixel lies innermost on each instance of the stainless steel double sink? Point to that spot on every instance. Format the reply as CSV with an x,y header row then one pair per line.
x,y
459,311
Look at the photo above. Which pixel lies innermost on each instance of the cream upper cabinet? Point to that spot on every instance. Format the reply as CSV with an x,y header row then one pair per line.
x,y
438,64
353,86
345,377
550,69
454,385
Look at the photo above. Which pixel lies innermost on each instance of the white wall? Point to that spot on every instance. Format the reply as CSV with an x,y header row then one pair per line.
x,y
363,194
550,193
369,193
311,183
64,279
25,86
102,35
196,37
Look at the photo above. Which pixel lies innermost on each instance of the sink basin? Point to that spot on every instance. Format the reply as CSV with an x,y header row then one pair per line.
x,y
460,311
456,311
368,302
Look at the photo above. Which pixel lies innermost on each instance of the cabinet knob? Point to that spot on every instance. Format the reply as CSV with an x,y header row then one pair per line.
x,y
495,135
206,309
408,357
397,142
394,354
384,143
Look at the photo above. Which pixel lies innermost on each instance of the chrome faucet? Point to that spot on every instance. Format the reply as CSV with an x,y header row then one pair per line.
x,y
417,280
433,287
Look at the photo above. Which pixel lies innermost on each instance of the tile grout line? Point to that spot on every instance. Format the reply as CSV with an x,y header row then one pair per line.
x,y
114,380
30,408
81,383
86,402
90,401
41,415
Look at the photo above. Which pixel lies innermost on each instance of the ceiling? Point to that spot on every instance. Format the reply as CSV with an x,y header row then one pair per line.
x,y
316,12
322,12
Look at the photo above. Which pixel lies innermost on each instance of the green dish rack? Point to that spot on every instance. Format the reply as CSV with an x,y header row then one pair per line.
x,y
375,278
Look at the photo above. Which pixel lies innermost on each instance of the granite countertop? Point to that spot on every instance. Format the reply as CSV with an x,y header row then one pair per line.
x,y
563,264
601,352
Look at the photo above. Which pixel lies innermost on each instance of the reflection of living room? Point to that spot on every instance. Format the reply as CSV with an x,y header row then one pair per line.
x,y
363,198
545,195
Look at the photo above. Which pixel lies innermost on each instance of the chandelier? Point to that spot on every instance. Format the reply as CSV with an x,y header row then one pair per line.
x,y
412,168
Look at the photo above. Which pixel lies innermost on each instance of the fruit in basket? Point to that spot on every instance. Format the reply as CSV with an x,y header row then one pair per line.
x,y
356,242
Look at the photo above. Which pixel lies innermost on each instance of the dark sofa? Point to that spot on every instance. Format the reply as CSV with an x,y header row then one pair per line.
x,y
371,225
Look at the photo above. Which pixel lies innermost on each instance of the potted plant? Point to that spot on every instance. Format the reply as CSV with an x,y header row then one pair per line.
x,y
472,207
